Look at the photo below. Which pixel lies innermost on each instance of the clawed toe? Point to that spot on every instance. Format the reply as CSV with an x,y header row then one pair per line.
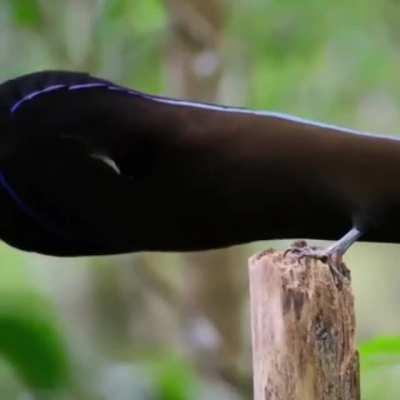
x,y
301,250
309,252
331,256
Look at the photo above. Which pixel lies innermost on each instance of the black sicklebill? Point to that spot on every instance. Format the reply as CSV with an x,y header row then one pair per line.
x,y
89,167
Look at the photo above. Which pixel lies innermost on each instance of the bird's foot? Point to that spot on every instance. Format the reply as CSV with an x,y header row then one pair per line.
x,y
332,255
302,251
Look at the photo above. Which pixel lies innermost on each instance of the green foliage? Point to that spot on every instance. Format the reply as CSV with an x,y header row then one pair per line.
x,y
143,16
332,61
381,348
380,373
26,13
174,379
149,15
116,9
302,63
29,337
31,341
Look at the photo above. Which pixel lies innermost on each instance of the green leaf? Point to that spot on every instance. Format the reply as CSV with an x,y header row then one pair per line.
x,y
148,15
174,379
31,342
143,16
382,351
115,9
380,374
26,12
382,345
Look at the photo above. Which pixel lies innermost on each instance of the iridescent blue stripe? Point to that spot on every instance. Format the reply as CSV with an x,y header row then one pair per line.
x,y
52,88
30,96
26,209
199,105
13,194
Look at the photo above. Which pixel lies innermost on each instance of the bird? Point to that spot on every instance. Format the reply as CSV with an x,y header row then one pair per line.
x,y
89,167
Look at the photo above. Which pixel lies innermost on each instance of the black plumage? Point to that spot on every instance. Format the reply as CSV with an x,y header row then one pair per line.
x,y
89,167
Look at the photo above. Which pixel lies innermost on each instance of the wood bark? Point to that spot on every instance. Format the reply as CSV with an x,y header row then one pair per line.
x,y
303,329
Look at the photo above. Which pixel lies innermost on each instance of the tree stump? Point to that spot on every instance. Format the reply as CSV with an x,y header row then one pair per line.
x,y
303,329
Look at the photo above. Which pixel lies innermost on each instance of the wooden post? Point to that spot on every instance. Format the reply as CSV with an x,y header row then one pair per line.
x,y
303,328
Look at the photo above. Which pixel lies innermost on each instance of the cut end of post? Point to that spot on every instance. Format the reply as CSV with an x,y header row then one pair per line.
x,y
303,329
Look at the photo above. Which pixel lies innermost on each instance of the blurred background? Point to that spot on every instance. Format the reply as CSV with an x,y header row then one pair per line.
x,y
175,326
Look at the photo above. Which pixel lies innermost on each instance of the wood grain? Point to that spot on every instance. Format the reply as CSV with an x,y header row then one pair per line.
x,y
303,329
